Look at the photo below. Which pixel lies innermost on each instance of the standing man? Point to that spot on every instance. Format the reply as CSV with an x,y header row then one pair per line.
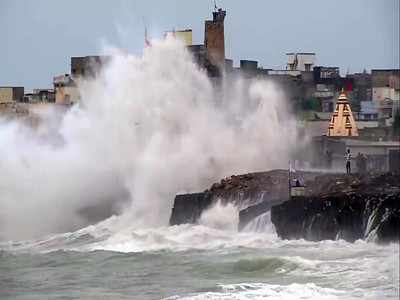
x,y
348,158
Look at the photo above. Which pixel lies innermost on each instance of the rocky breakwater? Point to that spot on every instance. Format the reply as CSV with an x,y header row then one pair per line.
x,y
345,207
244,191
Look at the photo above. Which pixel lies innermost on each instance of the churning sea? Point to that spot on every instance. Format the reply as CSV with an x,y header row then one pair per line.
x,y
195,262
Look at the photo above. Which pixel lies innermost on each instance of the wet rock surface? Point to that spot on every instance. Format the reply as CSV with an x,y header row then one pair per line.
x,y
244,191
348,207
188,207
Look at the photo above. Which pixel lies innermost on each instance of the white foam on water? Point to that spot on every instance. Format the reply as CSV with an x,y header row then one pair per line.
x,y
220,216
269,291
360,269
180,238
262,223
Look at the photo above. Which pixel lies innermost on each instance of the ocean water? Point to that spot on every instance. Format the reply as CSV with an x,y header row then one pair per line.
x,y
149,127
195,262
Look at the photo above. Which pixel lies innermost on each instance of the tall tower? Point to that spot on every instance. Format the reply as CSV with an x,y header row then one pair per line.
x,y
214,38
342,121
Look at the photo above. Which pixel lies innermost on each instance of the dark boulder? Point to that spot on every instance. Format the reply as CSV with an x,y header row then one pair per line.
x,y
241,190
251,212
188,207
339,216
335,206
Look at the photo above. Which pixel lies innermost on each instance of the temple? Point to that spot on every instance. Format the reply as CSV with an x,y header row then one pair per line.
x,y
342,122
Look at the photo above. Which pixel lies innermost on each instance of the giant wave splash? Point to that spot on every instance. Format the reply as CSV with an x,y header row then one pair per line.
x,y
147,128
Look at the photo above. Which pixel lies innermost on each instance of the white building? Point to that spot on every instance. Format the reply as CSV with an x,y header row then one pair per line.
x,y
302,61
369,110
386,91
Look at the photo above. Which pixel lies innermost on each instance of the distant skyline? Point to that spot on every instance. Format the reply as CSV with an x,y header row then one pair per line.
x,y
39,37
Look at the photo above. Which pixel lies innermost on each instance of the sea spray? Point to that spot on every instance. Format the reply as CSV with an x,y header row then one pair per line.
x,y
220,216
147,128
261,224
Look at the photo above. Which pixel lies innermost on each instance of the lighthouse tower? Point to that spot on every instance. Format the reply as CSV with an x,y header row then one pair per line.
x,y
214,38
342,121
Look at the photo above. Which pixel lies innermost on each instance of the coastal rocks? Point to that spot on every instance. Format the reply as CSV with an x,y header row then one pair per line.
x,y
315,184
243,191
315,218
383,222
252,212
369,209
188,207
250,189
335,206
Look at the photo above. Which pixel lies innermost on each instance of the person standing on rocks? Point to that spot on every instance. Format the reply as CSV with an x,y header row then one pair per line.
x,y
348,159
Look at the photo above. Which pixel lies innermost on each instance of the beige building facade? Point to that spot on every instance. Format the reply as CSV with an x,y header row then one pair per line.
x,y
10,94
66,91
184,36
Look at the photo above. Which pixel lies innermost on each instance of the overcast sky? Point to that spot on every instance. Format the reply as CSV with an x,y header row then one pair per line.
x,y
37,38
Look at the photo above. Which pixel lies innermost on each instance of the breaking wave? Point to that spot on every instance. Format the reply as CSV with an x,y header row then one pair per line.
x,y
308,291
262,223
220,216
146,129
338,270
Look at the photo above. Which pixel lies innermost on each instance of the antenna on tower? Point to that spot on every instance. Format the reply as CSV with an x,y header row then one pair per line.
x,y
147,42
215,5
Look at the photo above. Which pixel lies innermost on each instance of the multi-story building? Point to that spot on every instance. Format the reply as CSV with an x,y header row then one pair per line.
x,y
327,85
302,61
40,96
386,91
369,110
326,74
66,91
382,156
11,94
87,66
362,89
326,95
184,36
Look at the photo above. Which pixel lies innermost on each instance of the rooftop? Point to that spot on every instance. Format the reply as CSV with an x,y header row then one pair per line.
x,y
10,86
352,142
300,53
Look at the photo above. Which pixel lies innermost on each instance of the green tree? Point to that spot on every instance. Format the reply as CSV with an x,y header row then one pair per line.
x,y
311,104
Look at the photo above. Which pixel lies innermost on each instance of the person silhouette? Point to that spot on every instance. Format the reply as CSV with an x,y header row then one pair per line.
x,y
348,159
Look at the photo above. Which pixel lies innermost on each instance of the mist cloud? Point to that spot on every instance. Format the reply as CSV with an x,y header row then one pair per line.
x,y
147,128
